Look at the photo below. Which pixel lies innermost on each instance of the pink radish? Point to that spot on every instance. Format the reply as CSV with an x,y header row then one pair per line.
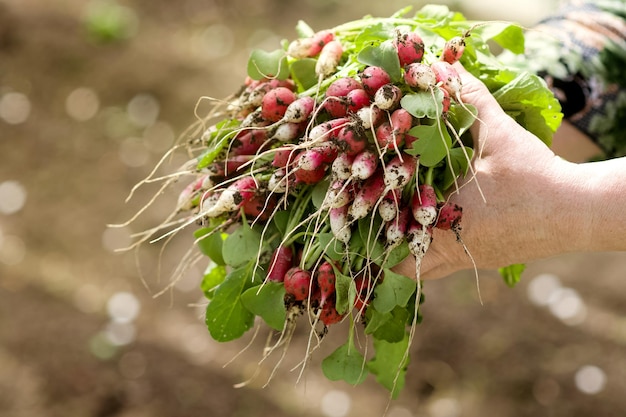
x,y
453,49
367,197
364,165
278,182
342,166
339,223
389,205
356,100
342,86
448,77
260,206
339,194
449,216
369,116
400,170
350,140
325,278
420,76
424,205
286,132
418,238
329,59
401,121
280,263
233,197
329,314
396,229
310,176
298,283
275,103
310,159
299,110
373,78
388,97
248,142
410,47
387,137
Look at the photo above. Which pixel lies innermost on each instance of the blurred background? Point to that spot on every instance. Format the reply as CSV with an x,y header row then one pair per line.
x,y
92,93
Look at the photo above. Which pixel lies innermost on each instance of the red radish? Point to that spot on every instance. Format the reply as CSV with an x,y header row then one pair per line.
x,y
408,141
324,131
336,106
401,121
369,116
260,207
418,238
188,195
339,223
329,314
395,230
400,170
363,292
419,75
299,110
325,278
357,99
281,262
329,59
453,49
311,46
282,157
310,159
449,216
320,39
275,103
448,77
373,78
248,142
445,101
310,176
342,166
364,165
298,283
220,170
389,205
388,97
367,197
328,150
342,86
254,119
410,47
233,197
387,137
424,205
350,140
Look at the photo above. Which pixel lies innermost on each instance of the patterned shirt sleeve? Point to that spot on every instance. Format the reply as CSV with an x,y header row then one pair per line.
x,y
581,52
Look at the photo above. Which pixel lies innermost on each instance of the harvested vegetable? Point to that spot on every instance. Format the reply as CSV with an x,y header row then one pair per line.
x,y
332,165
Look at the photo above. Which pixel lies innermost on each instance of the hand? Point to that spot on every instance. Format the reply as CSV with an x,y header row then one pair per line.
x,y
512,207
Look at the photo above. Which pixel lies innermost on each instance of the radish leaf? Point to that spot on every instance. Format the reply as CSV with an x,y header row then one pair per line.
x,y
394,290
390,364
345,363
432,144
267,301
262,64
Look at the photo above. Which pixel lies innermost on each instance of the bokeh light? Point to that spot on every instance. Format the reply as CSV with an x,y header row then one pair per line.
x,y
12,250
12,197
336,403
82,104
590,379
123,307
445,407
143,110
541,288
15,107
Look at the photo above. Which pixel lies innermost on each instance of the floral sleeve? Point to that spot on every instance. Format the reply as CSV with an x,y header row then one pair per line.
x,y
581,52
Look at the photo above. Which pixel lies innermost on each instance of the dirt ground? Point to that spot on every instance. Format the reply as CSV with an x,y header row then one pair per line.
x,y
95,117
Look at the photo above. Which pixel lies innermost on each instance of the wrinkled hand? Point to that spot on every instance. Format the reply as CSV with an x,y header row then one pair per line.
x,y
509,202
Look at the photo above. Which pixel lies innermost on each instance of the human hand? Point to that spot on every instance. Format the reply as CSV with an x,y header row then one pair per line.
x,y
509,205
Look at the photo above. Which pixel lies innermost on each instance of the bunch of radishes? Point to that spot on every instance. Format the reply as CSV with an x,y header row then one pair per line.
x,y
331,165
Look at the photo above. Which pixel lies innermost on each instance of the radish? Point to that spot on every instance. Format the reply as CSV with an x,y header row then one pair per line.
x,y
310,176
278,182
453,49
233,197
329,58
389,205
356,100
248,142
298,283
369,116
311,159
286,132
350,139
299,110
260,206
367,197
400,170
339,194
387,137
325,278
401,121
282,157
388,97
395,230
449,216
311,46
342,86
372,78
339,223
424,205
329,314
275,103
419,75
342,166
281,262
363,292
410,47
418,238
448,77
364,165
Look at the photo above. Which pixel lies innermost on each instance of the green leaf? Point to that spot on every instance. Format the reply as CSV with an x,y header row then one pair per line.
x,y
241,246
532,105
462,117
383,55
319,193
345,363
267,301
394,290
333,248
512,274
432,145
508,35
262,64
210,243
397,255
389,326
345,292
304,30
303,73
424,104
390,364
217,141
214,275
458,163
226,317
